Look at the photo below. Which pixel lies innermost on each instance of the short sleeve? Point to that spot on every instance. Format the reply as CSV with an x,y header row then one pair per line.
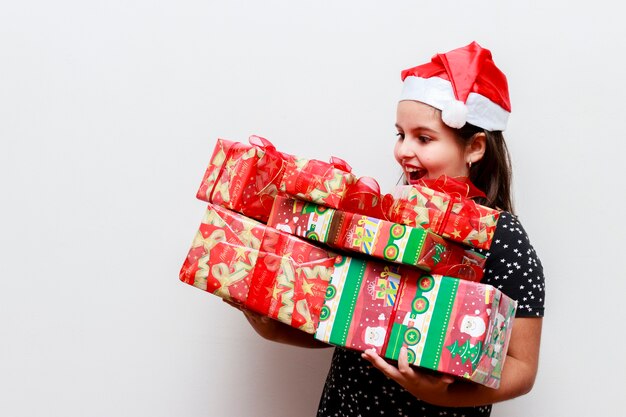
x,y
513,267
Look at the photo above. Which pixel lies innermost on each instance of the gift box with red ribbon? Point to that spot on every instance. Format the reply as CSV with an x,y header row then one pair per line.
x,y
246,177
267,271
454,326
316,181
389,241
445,207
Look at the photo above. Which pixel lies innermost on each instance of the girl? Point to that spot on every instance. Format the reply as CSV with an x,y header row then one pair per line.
x,y
450,119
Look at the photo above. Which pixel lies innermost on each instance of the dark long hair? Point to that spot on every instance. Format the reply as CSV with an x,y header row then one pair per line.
x,y
493,173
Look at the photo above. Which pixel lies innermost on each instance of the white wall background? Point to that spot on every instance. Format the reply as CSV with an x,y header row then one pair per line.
x,y
109,111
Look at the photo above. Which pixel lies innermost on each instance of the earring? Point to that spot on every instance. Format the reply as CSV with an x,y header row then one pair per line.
x,y
469,164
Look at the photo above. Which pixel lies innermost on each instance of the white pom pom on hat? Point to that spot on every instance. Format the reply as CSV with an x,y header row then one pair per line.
x,y
454,114
465,85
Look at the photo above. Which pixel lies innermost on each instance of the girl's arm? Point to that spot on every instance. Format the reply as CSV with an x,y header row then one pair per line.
x,y
518,374
279,332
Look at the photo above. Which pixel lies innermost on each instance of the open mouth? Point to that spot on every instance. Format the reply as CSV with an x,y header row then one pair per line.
x,y
413,174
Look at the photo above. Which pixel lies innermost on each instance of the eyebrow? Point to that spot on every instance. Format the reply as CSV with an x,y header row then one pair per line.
x,y
419,128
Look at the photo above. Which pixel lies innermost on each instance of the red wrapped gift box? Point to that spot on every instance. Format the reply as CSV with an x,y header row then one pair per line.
x,y
448,325
270,272
242,177
316,181
445,207
375,237
245,178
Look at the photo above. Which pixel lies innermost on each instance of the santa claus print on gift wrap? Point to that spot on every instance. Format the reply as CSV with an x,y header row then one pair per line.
x,y
466,334
359,304
371,309
474,325
375,335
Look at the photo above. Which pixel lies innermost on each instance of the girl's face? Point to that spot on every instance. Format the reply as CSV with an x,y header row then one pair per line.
x,y
426,147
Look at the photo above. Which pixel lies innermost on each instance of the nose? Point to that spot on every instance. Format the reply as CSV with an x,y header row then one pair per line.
x,y
403,150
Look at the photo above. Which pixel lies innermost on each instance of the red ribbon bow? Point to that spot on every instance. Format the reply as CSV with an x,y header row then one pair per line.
x,y
460,187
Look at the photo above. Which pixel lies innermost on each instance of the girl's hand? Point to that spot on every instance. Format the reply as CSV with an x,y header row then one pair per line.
x,y
276,331
250,315
233,304
517,378
424,386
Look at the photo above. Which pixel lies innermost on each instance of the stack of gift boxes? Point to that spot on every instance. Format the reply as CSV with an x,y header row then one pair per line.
x,y
309,244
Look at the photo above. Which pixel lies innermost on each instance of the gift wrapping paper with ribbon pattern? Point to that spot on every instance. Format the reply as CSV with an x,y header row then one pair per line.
x,y
268,271
448,325
246,178
316,181
375,237
450,215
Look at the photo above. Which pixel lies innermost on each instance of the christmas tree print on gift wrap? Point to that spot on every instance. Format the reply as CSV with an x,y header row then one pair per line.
x,y
467,352
449,325
453,326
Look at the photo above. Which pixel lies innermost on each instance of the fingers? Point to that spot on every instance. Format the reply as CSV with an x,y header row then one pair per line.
x,y
251,315
372,356
256,317
403,363
447,379
404,371
233,304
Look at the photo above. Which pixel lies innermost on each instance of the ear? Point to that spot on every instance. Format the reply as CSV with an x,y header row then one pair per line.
x,y
475,149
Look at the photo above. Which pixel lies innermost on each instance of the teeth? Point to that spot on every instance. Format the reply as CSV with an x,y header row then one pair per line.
x,y
410,169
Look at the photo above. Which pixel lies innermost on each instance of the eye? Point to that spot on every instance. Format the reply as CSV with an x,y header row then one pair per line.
x,y
424,139
400,136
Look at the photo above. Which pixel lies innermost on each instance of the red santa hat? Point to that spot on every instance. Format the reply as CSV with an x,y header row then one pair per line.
x,y
465,85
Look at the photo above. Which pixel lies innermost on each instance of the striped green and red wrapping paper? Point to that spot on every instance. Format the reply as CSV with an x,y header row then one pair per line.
x,y
448,325
382,239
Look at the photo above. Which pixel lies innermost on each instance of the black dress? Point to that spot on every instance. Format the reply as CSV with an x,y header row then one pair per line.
x,y
354,388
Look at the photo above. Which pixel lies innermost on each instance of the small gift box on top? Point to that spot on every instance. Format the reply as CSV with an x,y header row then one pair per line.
x,y
445,206
246,178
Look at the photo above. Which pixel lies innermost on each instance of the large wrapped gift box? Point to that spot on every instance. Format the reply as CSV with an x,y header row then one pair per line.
x,y
267,271
246,178
448,325
375,237
445,209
